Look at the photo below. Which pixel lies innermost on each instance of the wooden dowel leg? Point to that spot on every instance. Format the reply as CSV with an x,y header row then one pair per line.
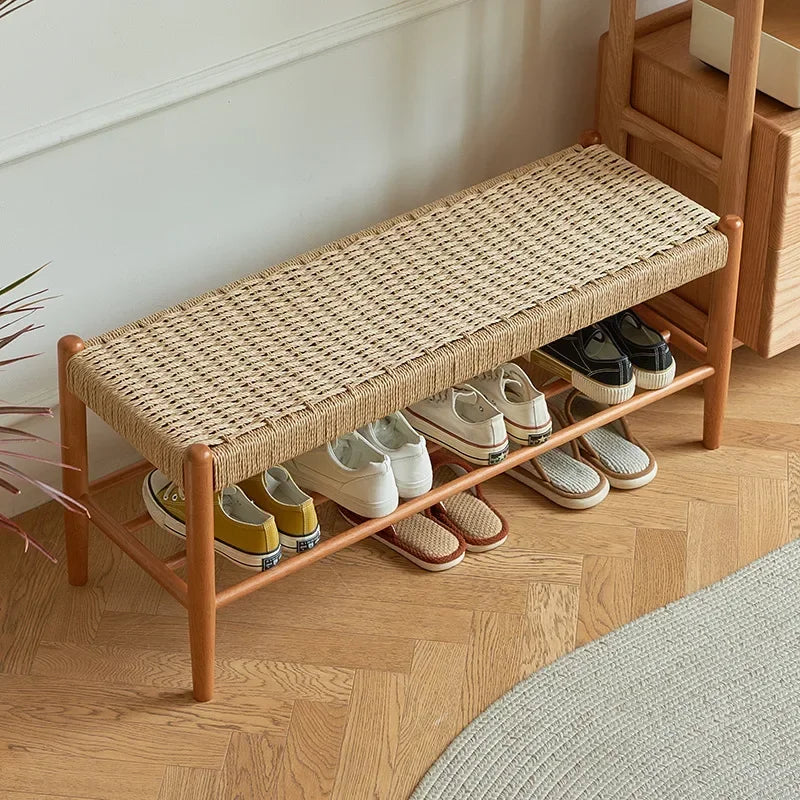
x,y
202,602
589,138
721,318
72,413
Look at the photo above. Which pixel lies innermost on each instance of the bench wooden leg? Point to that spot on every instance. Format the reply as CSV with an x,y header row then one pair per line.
x,y
202,601
72,413
721,318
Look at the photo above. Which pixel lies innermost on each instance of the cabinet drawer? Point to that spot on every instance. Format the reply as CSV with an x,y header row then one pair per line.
x,y
781,301
785,229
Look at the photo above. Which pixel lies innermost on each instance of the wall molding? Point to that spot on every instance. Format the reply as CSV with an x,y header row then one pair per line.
x,y
44,137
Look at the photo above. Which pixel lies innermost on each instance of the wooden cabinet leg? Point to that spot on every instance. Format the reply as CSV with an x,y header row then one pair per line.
x,y
721,318
199,485
72,413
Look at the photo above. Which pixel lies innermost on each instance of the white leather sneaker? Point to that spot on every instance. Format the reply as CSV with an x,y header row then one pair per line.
x,y
522,405
406,449
351,472
465,422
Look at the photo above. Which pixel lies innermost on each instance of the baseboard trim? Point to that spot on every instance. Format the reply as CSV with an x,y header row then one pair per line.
x,y
148,101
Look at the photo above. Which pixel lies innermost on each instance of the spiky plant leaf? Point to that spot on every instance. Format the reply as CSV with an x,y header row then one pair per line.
x,y
11,476
28,411
20,435
14,284
55,494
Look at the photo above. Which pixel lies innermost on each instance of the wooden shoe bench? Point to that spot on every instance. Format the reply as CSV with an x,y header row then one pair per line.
x,y
225,385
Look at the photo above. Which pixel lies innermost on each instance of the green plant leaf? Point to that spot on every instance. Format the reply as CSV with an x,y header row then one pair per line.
x,y
12,286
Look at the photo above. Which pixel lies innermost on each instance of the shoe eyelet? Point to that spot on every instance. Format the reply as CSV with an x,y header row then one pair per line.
x,y
174,498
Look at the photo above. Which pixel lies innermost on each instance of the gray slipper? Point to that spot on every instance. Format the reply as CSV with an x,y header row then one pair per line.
x,y
561,476
612,449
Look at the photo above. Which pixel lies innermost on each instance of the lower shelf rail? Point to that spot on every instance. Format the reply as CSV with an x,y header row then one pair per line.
x,y
460,484
163,570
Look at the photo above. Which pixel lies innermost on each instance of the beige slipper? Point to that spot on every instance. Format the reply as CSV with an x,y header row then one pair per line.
x,y
468,514
421,539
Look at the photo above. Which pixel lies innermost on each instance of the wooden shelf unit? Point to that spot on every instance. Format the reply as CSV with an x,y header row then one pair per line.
x,y
672,89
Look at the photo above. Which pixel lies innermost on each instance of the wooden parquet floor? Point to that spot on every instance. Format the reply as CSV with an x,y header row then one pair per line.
x,y
348,679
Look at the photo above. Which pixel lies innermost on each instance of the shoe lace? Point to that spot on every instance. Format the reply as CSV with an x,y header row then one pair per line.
x,y
497,372
173,492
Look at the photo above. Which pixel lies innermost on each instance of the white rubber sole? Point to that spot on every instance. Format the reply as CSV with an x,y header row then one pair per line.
x,y
527,437
299,544
475,454
633,483
573,503
426,565
650,380
254,561
602,392
484,548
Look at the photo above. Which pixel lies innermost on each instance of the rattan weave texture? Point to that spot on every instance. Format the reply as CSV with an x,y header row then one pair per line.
x,y
286,359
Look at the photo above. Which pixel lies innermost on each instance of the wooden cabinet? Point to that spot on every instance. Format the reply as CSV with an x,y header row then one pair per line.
x,y
679,91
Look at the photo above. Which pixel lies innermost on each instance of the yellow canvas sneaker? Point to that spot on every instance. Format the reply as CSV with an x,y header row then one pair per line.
x,y
276,493
243,533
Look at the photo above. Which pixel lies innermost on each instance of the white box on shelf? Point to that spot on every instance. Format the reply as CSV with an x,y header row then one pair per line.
x,y
779,67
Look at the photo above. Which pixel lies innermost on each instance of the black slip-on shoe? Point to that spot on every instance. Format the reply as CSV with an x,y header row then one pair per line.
x,y
591,361
653,364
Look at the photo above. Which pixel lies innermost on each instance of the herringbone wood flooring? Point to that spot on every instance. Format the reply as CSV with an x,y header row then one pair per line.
x,y
348,679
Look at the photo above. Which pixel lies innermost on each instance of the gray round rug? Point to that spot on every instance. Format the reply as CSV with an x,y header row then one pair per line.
x,y
700,699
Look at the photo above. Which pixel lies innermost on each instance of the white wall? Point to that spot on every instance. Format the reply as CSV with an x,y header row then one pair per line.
x,y
153,153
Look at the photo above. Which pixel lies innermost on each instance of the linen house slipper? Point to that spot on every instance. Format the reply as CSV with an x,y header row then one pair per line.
x,y
562,476
468,514
421,539
612,449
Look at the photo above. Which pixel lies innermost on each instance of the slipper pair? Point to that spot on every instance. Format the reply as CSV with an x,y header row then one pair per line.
x,y
438,538
579,474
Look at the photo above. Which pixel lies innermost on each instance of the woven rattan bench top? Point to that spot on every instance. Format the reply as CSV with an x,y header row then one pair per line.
x,y
286,359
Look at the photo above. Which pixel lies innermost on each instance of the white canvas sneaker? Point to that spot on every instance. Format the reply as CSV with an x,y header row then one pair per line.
x,y
465,422
406,449
522,405
351,472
